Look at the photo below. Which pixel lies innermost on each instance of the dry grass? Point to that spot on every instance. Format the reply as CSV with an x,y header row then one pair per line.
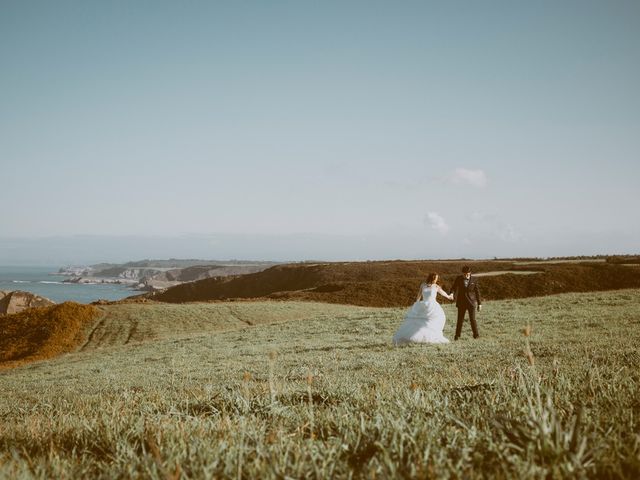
x,y
329,397
393,283
41,333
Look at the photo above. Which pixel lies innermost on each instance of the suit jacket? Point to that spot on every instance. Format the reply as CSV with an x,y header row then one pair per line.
x,y
465,296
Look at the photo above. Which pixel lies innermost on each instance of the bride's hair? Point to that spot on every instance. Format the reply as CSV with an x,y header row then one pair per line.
x,y
432,278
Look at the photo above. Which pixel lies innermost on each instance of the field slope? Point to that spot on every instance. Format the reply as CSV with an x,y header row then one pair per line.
x,y
41,333
326,395
124,324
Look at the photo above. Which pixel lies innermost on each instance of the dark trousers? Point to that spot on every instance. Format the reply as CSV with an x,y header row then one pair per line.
x,y
462,310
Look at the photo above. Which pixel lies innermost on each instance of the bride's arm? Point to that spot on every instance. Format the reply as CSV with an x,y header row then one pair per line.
x,y
444,294
420,293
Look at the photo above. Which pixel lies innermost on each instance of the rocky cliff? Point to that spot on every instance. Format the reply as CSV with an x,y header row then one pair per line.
x,y
153,275
17,301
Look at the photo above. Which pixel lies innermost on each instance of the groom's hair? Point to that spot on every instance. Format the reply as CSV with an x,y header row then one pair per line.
x,y
466,269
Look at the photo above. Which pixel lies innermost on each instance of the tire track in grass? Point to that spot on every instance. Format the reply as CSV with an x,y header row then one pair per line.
x,y
233,311
133,329
98,325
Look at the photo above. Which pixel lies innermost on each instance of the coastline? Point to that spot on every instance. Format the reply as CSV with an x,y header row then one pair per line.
x,y
46,282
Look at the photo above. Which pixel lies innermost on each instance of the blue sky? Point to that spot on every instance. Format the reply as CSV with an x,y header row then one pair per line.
x,y
368,129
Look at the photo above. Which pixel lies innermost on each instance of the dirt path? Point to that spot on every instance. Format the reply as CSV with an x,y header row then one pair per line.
x,y
559,262
504,272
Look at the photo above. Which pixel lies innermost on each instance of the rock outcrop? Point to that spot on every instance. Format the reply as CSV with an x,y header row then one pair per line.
x,y
154,275
17,301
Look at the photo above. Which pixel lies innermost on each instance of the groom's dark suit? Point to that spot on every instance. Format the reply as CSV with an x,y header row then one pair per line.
x,y
467,295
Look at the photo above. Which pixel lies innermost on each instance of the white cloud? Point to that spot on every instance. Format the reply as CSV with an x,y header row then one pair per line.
x,y
435,221
465,176
481,217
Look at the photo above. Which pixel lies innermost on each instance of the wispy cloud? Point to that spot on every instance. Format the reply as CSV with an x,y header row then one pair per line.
x,y
482,217
493,226
509,234
435,221
465,176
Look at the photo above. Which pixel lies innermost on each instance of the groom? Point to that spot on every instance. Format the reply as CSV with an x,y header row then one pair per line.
x,y
467,294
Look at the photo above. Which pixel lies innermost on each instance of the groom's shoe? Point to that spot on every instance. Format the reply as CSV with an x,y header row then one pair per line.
x,y
476,336
455,338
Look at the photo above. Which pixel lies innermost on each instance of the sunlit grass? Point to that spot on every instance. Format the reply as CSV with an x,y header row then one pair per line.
x,y
327,395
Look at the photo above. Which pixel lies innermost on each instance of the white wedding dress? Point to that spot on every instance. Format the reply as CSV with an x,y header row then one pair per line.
x,y
424,322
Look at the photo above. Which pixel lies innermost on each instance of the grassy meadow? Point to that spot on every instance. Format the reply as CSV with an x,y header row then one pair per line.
x,y
292,390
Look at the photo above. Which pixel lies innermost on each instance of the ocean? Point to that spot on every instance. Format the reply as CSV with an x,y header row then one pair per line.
x,y
43,281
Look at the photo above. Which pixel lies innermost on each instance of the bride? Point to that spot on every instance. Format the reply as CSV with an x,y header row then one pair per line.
x,y
424,322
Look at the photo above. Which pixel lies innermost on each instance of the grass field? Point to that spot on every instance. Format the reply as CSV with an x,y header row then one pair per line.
x,y
279,389
122,324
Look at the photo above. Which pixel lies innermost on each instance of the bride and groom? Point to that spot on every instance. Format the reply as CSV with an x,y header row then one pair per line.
x,y
424,322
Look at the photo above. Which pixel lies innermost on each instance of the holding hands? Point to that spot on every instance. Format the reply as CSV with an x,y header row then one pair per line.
x,y
448,296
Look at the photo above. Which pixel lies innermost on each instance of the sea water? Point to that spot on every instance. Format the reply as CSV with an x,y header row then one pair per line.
x,y
45,282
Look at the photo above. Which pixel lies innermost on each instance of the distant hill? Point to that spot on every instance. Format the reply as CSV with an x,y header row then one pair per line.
x,y
169,278
395,283
160,274
115,269
184,263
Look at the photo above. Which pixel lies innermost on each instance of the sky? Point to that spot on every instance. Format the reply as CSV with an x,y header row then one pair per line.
x,y
293,130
